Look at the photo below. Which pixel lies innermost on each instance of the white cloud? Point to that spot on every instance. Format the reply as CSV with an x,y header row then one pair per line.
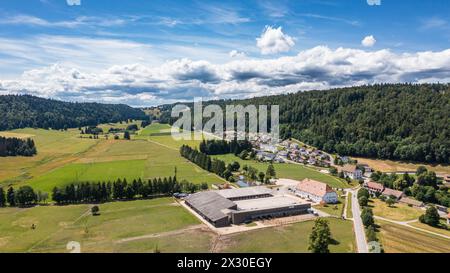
x,y
183,79
369,41
273,41
90,21
236,54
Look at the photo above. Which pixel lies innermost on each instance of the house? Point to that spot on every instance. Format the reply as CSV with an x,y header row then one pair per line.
x,y
390,192
411,202
316,191
374,187
352,172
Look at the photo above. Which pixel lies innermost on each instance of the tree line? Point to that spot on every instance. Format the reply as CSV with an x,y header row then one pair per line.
x,y
120,189
98,192
204,161
17,147
217,147
20,111
386,121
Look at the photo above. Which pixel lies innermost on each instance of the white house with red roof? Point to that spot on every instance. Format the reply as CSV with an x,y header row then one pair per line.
x,y
316,191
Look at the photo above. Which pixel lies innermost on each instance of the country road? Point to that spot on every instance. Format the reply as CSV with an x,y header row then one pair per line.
x,y
360,234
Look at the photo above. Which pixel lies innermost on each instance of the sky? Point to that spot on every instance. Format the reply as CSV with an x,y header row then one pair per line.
x,y
146,53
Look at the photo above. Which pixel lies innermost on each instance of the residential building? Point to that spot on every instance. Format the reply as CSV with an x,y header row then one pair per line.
x,y
374,187
316,191
352,172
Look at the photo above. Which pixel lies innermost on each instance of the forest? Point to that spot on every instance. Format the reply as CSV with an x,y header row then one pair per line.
x,y
409,122
20,111
17,147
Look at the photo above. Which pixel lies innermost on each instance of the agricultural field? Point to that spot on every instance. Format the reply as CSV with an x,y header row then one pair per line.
x,y
290,171
290,238
401,239
397,212
57,225
64,158
442,231
397,166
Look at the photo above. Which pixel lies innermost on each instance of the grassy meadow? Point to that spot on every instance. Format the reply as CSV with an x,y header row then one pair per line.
x,y
64,158
400,239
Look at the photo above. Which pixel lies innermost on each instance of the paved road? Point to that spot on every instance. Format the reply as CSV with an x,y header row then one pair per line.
x,y
361,242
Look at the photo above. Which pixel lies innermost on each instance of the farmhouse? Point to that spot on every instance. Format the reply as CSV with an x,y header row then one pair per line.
x,y
352,172
375,188
390,192
316,191
235,206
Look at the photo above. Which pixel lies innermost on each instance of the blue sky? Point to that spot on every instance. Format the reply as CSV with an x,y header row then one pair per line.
x,y
151,52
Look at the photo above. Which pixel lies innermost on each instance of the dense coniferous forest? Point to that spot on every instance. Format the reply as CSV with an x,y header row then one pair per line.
x,y
17,147
217,147
388,121
20,111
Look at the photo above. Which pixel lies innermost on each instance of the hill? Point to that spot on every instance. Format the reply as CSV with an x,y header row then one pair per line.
x,y
389,121
20,111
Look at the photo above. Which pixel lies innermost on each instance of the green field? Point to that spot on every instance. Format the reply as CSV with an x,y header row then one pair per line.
x,y
290,171
291,238
55,226
400,239
397,212
63,158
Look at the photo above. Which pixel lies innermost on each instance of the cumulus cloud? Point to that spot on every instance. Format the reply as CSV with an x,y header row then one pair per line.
x,y
369,41
273,41
183,79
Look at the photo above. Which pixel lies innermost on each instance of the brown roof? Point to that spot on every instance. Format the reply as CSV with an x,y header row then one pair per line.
x,y
314,187
374,185
411,201
392,192
349,168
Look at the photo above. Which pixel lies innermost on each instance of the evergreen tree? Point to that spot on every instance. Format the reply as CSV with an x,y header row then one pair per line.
x,y
320,237
2,197
10,197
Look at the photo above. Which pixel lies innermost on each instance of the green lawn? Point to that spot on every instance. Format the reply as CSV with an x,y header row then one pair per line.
x,y
442,230
290,171
349,206
291,238
55,225
397,212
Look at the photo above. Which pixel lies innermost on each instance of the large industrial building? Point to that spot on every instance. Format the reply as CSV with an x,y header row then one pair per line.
x,y
235,206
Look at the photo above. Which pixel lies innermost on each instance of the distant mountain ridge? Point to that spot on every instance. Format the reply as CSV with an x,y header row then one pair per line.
x,y
20,111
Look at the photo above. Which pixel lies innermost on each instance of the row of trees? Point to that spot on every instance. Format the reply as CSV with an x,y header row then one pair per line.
x,y
23,197
367,215
120,189
204,161
216,147
17,147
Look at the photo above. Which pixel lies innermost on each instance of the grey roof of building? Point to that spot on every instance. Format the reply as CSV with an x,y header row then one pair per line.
x,y
244,192
210,204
